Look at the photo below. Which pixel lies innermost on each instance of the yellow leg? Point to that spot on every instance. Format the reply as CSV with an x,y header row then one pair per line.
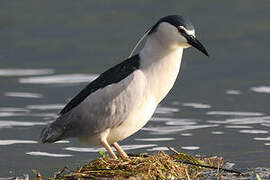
x,y
120,150
108,148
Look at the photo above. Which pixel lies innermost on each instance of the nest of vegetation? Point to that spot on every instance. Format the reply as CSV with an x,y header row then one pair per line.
x,y
160,165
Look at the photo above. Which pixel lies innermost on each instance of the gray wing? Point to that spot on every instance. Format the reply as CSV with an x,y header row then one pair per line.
x,y
105,108
113,75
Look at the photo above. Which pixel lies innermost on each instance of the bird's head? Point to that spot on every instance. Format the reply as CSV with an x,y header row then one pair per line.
x,y
176,31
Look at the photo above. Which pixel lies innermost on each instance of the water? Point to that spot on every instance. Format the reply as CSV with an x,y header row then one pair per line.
x,y
50,50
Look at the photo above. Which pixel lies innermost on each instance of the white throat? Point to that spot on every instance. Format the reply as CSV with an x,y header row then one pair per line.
x,y
160,62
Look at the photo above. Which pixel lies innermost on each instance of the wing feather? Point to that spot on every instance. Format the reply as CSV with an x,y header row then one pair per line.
x,y
111,76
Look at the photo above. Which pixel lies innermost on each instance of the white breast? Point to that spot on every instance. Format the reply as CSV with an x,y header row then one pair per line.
x,y
160,73
161,67
137,119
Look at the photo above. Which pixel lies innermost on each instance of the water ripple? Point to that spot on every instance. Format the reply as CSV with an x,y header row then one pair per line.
x,y
233,92
186,134
13,114
190,147
125,147
155,139
183,122
13,109
262,139
23,94
48,115
161,148
241,121
175,121
9,114
83,149
239,127
197,105
10,142
46,106
261,89
60,79
10,124
267,124
234,113
254,131
38,153
174,129
25,72
62,142
217,132
166,110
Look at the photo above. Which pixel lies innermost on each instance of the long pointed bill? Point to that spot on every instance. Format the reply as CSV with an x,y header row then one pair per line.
x,y
195,43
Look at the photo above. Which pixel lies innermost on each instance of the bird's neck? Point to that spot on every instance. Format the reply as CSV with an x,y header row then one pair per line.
x,y
160,63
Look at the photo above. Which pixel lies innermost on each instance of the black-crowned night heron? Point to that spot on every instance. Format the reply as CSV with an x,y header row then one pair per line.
x,y
122,99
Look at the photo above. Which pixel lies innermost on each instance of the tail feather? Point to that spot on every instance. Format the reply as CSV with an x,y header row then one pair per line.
x,y
59,129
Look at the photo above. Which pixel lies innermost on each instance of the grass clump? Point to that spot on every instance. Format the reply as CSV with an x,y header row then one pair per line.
x,y
160,165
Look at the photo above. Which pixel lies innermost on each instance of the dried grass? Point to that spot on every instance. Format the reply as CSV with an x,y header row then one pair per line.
x,y
160,165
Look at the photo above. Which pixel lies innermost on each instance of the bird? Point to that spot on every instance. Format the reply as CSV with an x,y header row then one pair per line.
x,y
121,100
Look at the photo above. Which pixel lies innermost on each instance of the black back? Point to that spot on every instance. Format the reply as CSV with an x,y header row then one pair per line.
x,y
111,76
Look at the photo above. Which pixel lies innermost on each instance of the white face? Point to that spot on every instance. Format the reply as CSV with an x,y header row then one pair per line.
x,y
189,32
170,35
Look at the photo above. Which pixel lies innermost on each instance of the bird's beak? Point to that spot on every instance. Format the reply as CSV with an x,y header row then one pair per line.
x,y
195,43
